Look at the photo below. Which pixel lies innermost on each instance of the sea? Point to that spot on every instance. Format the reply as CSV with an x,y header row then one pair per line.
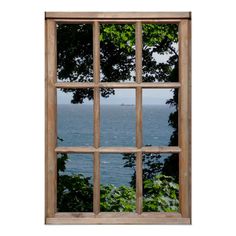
x,y
75,128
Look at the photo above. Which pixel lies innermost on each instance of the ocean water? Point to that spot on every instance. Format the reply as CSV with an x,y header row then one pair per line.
x,y
75,127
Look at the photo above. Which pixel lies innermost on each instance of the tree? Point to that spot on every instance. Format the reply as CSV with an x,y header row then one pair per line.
x,y
152,165
117,55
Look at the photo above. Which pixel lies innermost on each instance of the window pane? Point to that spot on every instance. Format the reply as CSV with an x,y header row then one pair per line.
x,y
75,117
160,117
117,183
118,117
160,182
117,52
160,53
74,183
74,53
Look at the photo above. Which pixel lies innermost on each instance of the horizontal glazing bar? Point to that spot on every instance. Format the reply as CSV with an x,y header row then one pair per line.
x,y
168,149
152,149
74,85
118,85
117,21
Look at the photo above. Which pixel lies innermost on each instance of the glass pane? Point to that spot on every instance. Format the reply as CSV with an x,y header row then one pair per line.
x,y
160,182
74,52
118,117
160,117
75,117
160,53
117,52
117,183
74,183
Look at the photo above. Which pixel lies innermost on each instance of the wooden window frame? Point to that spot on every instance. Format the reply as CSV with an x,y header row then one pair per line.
x,y
183,19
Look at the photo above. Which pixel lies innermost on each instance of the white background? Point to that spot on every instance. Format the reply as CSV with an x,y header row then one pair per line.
x,y
22,116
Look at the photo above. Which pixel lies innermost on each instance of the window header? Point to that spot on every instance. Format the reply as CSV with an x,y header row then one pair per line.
x,y
118,15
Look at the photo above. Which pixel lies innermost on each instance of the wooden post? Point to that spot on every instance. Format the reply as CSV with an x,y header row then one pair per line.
x,y
139,138
51,135
96,97
184,124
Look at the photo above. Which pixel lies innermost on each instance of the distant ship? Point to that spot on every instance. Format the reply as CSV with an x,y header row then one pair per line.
x,y
126,105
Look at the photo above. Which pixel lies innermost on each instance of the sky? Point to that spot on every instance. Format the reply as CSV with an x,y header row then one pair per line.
x,y
124,96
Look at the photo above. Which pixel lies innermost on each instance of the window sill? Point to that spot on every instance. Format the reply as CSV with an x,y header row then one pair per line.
x,y
118,218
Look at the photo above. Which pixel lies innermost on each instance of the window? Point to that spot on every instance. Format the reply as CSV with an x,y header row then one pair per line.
x,y
140,63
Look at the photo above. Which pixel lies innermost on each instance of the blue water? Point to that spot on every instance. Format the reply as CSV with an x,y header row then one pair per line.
x,y
75,127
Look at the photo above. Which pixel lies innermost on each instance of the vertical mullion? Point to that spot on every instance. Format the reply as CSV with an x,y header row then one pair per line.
x,y
51,133
184,118
138,51
139,183
96,183
138,56
96,113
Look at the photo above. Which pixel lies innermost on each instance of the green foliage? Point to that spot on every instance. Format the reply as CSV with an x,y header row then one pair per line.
x,y
160,34
74,192
62,158
117,52
122,36
119,199
160,39
161,194
171,164
152,165
71,65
